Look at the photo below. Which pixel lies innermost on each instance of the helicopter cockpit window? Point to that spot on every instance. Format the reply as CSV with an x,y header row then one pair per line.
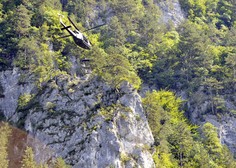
x,y
78,35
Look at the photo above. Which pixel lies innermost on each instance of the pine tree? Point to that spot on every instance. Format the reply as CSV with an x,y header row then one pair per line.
x,y
28,159
22,20
212,142
5,132
60,163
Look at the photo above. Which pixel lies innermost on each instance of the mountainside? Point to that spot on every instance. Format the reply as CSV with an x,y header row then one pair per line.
x,y
84,121
84,106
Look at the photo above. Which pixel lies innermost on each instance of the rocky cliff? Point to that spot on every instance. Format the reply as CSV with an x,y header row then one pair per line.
x,y
171,12
200,103
200,112
89,123
85,121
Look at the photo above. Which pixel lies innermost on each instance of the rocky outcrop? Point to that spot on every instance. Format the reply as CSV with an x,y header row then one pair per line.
x,y
200,112
11,87
171,12
226,126
86,122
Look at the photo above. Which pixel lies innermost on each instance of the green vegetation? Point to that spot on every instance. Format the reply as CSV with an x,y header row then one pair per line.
x,y
5,132
178,143
28,161
124,158
28,158
24,100
60,163
198,57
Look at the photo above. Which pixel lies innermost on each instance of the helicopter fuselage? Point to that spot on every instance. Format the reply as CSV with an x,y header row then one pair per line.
x,y
78,37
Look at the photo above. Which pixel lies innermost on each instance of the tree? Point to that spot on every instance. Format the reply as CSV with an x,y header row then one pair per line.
x,y
181,142
22,19
171,132
5,132
212,142
214,86
118,69
156,115
225,13
192,53
231,61
115,35
27,50
1,13
128,12
60,163
28,159
164,66
210,138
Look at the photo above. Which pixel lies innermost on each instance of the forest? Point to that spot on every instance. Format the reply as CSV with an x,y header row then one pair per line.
x,y
199,55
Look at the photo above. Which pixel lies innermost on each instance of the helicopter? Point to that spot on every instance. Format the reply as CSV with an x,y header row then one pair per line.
x,y
77,35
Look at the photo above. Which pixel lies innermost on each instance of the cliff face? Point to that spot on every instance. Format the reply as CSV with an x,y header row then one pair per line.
x,y
86,122
82,119
200,110
171,12
199,104
89,123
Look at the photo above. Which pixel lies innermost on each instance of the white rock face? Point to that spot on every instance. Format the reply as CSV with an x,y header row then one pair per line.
x,y
89,124
171,11
11,90
200,112
226,130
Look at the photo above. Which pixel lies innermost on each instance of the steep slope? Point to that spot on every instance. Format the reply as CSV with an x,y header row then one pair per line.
x,y
86,122
171,12
200,111
97,120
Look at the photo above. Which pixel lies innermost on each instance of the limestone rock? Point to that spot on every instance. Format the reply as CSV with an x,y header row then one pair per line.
x,y
86,122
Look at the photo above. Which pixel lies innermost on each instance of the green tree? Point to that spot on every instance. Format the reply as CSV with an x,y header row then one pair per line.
x,y
231,61
5,132
193,59
28,159
27,49
169,127
60,163
116,34
22,19
129,13
212,142
155,114
118,69
225,13
167,60
1,13
214,86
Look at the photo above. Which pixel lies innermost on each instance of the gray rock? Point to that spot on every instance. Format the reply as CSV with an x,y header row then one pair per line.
x,y
199,107
171,11
70,123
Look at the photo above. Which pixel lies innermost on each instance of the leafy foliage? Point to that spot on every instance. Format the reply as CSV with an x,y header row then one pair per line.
x,y
178,143
24,100
60,163
28,159
5,132
197,56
